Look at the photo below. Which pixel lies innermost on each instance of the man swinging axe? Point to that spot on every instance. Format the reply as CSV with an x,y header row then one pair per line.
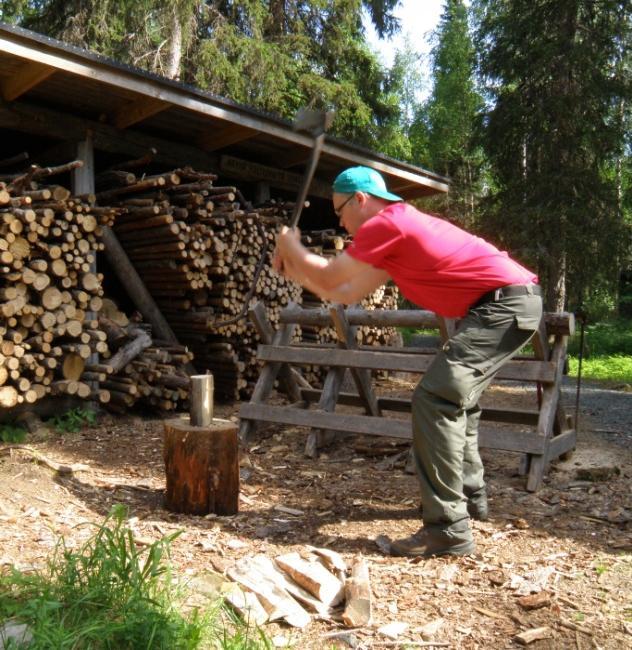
x,y
439,267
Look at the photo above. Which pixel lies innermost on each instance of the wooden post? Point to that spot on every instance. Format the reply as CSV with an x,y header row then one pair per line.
x,y
135,287
82,182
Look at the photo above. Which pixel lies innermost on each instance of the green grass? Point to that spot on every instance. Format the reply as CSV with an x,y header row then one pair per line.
x,y
607,352
12,433
108,594
73,420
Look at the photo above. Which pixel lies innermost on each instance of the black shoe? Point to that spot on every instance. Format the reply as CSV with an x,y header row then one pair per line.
x,y
428,542
476,506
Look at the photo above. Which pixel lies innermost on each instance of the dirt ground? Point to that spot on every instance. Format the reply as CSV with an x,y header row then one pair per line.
x,y
570,542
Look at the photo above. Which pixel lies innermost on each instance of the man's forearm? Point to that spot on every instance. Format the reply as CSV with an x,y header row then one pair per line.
x,y
307,266
343,293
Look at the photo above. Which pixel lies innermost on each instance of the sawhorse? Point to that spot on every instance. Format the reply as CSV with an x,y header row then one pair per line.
x,y
551,433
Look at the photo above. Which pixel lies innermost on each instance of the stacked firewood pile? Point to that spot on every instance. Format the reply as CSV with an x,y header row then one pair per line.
x,y
142,371
328,243
48,289
52,319
197,248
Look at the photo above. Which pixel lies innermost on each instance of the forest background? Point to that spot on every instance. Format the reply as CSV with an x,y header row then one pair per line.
x,y
529,111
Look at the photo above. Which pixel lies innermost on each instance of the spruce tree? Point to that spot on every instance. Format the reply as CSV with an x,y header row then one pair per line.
x,y
553,134
444,133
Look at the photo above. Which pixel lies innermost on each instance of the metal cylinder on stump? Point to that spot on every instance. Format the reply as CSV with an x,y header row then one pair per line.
x,y
201,457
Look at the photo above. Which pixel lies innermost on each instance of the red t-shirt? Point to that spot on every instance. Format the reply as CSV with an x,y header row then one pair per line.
x,y
434,263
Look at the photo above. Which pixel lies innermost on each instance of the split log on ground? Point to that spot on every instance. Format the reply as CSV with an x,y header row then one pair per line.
x,y
332,560
202,467
313,577
245,603
264,564
276,601
535,601
358,596
535,634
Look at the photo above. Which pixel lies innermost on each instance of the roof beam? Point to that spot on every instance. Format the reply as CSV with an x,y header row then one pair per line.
x,y
279,178
28,76
218,138
64,126
299,157
137,111
406,188
100,71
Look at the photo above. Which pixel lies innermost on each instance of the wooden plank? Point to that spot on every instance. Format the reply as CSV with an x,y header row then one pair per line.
x,y
323,420
506,440
253,171
223,137
137,111
265,383
447,327
64,126
97,69
559,323
264,329
318,438
402,405
542,371
548,413
166,90
540,342
361,376
561,444
518,441
28,76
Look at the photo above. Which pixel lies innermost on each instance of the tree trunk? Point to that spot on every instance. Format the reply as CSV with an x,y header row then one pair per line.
x,y
175,46
202,467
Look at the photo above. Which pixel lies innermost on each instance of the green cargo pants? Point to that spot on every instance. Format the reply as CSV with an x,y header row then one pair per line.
x,y
445,411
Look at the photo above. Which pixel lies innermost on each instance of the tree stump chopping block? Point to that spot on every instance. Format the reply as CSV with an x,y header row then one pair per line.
x,y
202,467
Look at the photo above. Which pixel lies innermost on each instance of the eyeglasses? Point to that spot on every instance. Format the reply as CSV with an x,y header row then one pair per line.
x,y
338,210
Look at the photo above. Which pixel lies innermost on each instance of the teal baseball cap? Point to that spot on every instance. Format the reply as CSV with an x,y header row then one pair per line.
x,y
363,179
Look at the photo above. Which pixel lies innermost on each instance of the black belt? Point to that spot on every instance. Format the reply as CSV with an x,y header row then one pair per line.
x,y
507,292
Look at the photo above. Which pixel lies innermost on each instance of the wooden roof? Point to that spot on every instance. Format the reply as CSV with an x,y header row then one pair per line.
x,y
53,90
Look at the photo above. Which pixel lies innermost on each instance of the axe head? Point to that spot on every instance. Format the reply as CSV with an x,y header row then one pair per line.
x,y
313,122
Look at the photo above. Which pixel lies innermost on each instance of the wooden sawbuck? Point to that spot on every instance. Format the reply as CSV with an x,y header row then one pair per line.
x,y
540,434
